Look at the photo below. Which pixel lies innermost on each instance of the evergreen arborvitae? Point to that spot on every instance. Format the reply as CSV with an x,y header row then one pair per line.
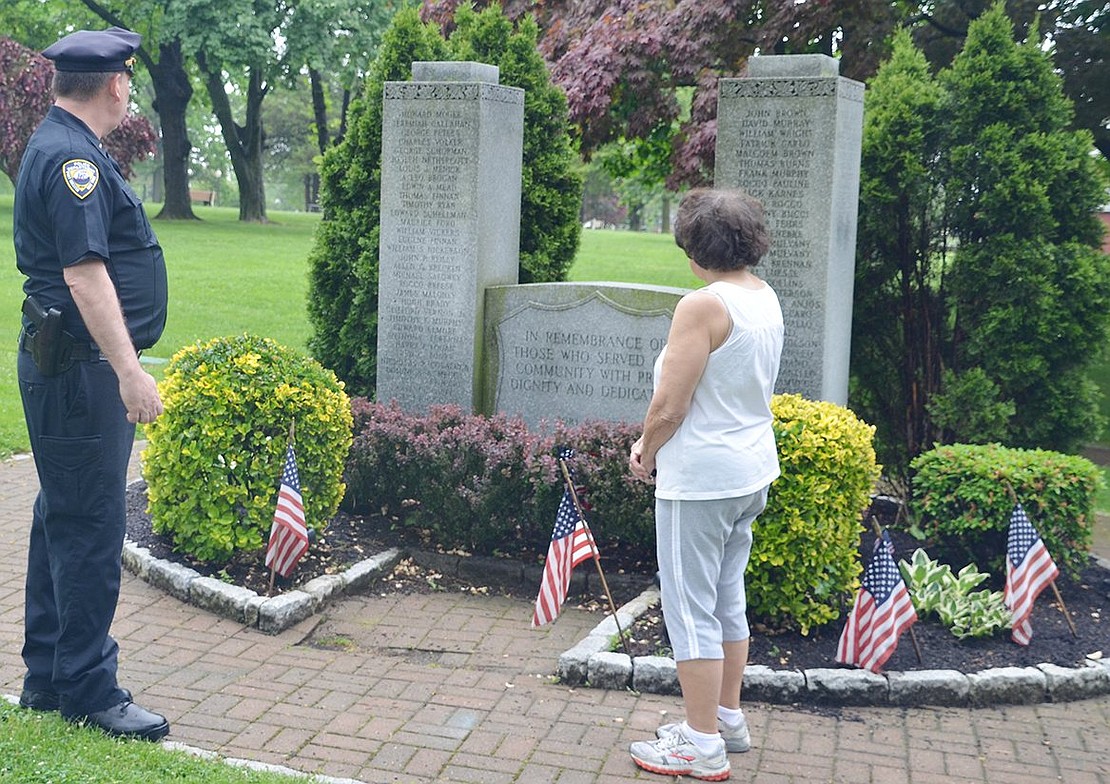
x,y
981,296
1030,288
343,265
895,326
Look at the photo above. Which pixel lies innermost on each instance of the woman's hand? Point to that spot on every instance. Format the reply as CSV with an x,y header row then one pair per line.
x,y
643,468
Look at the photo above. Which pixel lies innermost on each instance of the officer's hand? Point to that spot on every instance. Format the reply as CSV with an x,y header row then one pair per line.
x,y
139,392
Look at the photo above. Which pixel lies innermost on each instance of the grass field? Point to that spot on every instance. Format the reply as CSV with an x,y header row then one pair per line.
x,y
37,747
225,277
632,257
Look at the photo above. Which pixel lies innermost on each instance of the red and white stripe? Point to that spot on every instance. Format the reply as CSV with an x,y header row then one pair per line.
x,y
288,534
1024,584
563,555
871,634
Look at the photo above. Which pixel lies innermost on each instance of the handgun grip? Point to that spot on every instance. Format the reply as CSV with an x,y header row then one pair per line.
x,y
34,311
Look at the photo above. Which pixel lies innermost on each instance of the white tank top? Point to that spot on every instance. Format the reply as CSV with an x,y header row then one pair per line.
x,y
725,447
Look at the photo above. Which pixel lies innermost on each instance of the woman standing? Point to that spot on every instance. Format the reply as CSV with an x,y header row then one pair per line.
x,y
709,447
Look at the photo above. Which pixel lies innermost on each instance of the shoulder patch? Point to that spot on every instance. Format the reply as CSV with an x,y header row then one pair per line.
x,y
81,176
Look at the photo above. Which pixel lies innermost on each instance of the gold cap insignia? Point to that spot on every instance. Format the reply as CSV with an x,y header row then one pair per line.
x,y
81,177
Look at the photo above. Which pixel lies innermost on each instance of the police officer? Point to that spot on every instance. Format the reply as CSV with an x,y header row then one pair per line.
x,y
96,296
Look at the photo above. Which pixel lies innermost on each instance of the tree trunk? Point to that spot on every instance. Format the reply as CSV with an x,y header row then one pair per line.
x,y
244,143
343,117
319,110
172,92
636,217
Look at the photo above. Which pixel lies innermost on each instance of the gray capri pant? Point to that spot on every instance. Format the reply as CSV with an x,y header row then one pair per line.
x,y
703,549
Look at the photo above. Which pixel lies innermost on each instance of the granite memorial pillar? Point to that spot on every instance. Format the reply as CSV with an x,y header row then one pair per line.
x,y
450,227
790,134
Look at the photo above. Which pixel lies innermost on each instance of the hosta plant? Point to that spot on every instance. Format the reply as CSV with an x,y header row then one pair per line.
x,y
953,598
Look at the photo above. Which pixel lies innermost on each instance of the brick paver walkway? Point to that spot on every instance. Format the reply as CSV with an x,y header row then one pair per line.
x,y
451,688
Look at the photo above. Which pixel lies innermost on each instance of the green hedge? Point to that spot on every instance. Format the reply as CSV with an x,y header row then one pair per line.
x,y
489,486
963,495
215,456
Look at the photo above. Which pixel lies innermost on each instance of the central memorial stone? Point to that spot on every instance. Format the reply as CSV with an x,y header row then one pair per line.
x,y
575,351
454,326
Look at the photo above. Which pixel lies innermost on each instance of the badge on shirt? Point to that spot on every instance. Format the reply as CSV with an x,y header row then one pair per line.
x,y
81,177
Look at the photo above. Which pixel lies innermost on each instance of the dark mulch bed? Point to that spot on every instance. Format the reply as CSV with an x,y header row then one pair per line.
x,y
349,539
1087,600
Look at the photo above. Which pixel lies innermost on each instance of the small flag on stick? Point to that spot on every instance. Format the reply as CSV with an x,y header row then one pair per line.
x,y
288,534
1029,569
882,611
571,544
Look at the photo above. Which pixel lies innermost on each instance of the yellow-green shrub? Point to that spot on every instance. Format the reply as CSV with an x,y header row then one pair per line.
x,y
215,456
805,551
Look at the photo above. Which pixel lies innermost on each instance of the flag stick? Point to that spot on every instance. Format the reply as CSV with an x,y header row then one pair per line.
x,y
913,634
597,556
273,574
1055,590
1064,609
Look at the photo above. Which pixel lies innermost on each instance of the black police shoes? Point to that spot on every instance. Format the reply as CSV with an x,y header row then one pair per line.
x,y
39,700
128,720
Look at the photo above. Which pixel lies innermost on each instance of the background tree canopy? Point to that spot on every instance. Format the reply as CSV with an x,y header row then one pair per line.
x,y
622,61
25,77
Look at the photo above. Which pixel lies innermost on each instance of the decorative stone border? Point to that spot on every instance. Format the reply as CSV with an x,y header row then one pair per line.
x,y
276,614
592,663
271,614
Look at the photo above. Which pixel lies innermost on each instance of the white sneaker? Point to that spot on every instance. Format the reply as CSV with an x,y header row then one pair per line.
x,y
737,738
676,755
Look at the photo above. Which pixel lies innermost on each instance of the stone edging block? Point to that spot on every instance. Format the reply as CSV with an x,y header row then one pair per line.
x,y
269,614
592,663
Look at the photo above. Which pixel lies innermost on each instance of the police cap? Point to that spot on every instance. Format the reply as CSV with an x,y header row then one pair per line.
x,y
95,51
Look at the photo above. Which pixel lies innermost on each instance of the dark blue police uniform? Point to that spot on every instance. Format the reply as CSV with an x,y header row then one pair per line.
x,y
73,203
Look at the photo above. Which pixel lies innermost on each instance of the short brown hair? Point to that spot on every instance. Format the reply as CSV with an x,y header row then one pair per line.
x,y
721,229
78,85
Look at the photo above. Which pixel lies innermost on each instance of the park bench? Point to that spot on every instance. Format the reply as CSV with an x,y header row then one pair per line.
x,y
207,198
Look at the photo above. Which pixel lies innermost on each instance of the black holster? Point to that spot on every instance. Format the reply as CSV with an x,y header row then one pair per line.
x,y
51,346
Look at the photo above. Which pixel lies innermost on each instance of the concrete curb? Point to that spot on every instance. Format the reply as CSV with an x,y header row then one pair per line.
x,y
591,662
268,614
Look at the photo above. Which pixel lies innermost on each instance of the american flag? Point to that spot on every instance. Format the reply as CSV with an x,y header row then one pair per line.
x,y
571,544
882,611
1029,568
288,534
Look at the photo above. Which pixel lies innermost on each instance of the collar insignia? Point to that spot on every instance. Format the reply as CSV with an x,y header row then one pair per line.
x,y
81,177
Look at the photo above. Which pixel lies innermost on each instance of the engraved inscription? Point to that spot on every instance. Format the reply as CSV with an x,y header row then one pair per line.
x,y
775,159
589,361
427,238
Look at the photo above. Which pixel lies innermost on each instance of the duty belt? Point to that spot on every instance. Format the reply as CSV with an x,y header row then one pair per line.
x,y
77,351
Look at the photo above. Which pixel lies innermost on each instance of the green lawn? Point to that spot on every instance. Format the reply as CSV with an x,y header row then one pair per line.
x,y
38,748
225,277
632,257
